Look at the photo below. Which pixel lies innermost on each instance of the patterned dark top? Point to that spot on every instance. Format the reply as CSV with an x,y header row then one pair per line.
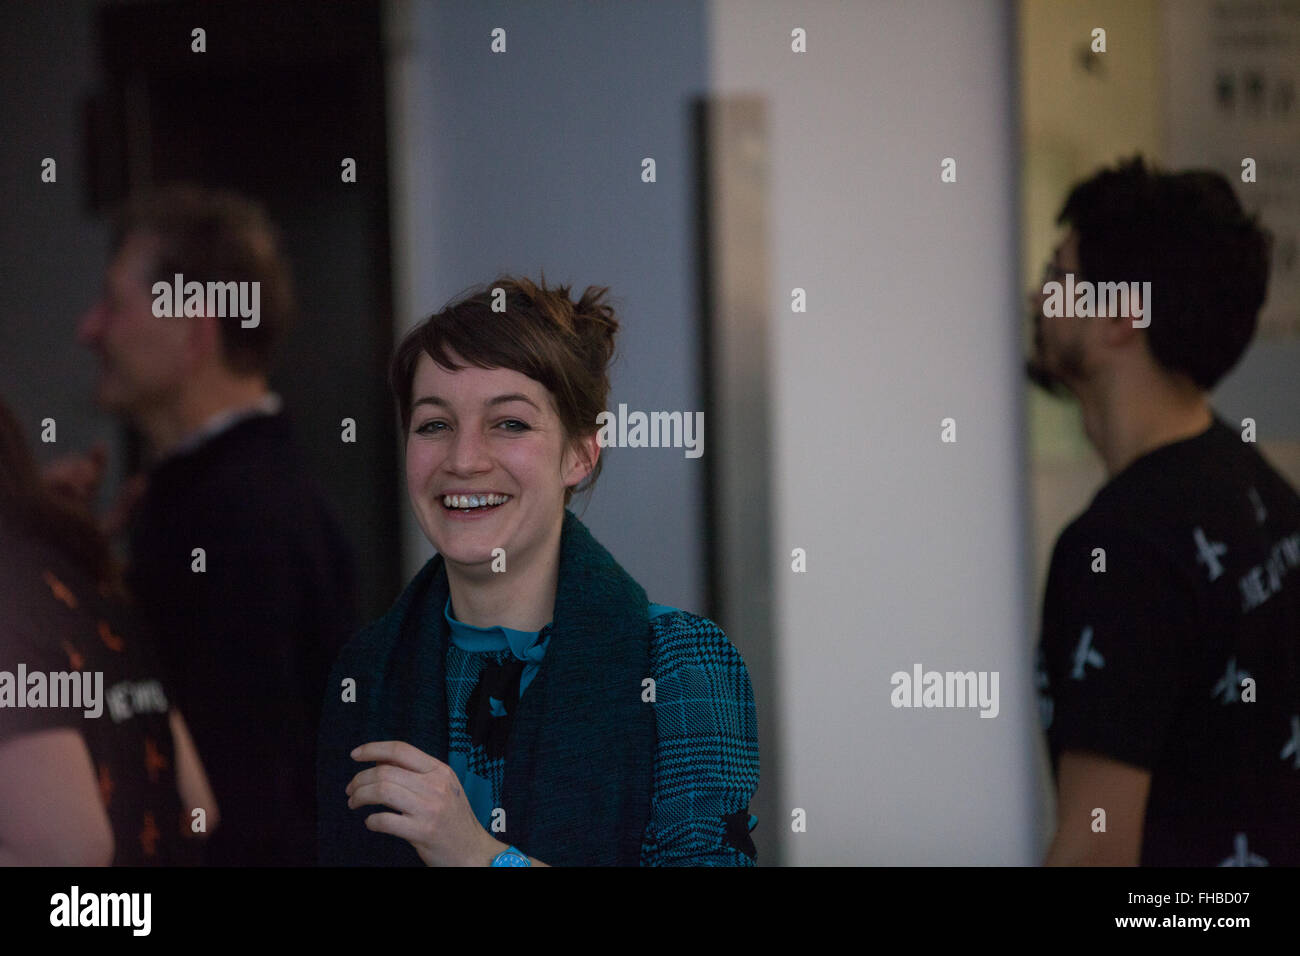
x,y
59,624
1167,601
706,759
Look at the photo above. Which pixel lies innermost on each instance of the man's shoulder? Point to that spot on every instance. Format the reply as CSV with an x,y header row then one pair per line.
x,y
1149,512
1179,482
252,473
261,447
1187,505
1119,558
1109,528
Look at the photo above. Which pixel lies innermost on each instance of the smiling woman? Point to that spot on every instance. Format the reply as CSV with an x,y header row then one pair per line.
x,y
478,432
523,703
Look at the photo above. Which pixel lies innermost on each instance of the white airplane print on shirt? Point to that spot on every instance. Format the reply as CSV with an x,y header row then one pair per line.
x,y
1208,553
1241,856
1292,747
1085,654
1229,685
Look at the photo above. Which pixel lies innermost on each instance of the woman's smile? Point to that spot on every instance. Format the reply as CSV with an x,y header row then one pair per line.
x,y
471,507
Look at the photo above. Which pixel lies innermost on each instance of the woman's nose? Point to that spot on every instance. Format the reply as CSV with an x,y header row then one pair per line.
x,y
469,451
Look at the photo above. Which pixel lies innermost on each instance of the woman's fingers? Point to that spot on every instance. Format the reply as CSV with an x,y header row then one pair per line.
x,y
387,793
394,823
385,771
397,752
432,811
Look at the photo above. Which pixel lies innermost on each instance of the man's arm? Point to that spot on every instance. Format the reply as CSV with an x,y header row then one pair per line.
x,y
191,779
1086,783
1116,652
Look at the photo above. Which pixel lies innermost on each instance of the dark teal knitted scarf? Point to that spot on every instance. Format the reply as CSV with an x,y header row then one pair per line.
x,y
580,758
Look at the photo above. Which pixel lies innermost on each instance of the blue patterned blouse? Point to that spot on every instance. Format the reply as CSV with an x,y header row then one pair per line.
x,y
706,758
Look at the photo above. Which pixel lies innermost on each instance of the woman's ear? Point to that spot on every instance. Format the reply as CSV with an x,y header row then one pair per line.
x,y
581,459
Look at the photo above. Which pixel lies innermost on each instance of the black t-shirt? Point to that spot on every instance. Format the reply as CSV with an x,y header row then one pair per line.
x,y
1153,662
249,641
55,621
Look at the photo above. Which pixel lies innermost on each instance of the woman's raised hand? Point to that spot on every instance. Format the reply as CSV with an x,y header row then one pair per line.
x,y
434,814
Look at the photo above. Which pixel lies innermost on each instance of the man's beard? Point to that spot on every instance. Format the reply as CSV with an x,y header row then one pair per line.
x,y
1036,368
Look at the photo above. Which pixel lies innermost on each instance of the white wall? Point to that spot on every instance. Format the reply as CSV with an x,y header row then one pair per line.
x,y
916,549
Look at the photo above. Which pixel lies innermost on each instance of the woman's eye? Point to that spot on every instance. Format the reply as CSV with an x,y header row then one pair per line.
x,y
515,425
429,427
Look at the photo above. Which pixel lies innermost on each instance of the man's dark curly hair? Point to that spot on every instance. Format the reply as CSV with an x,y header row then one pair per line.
x,y
1186,233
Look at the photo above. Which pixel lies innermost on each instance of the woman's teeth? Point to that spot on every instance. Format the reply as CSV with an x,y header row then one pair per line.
x,y
466,502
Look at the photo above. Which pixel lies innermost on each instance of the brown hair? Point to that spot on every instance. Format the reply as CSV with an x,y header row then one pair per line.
x,y
29,506
566,346
211,235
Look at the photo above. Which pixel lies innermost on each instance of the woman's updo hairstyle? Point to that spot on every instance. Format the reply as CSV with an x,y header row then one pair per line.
x,y
565,345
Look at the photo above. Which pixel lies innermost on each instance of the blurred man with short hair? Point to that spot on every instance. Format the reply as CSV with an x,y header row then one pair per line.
x,y
236,559
1168,663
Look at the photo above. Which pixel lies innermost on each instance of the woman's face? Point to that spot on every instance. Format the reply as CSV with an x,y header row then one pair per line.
x,y
495,434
